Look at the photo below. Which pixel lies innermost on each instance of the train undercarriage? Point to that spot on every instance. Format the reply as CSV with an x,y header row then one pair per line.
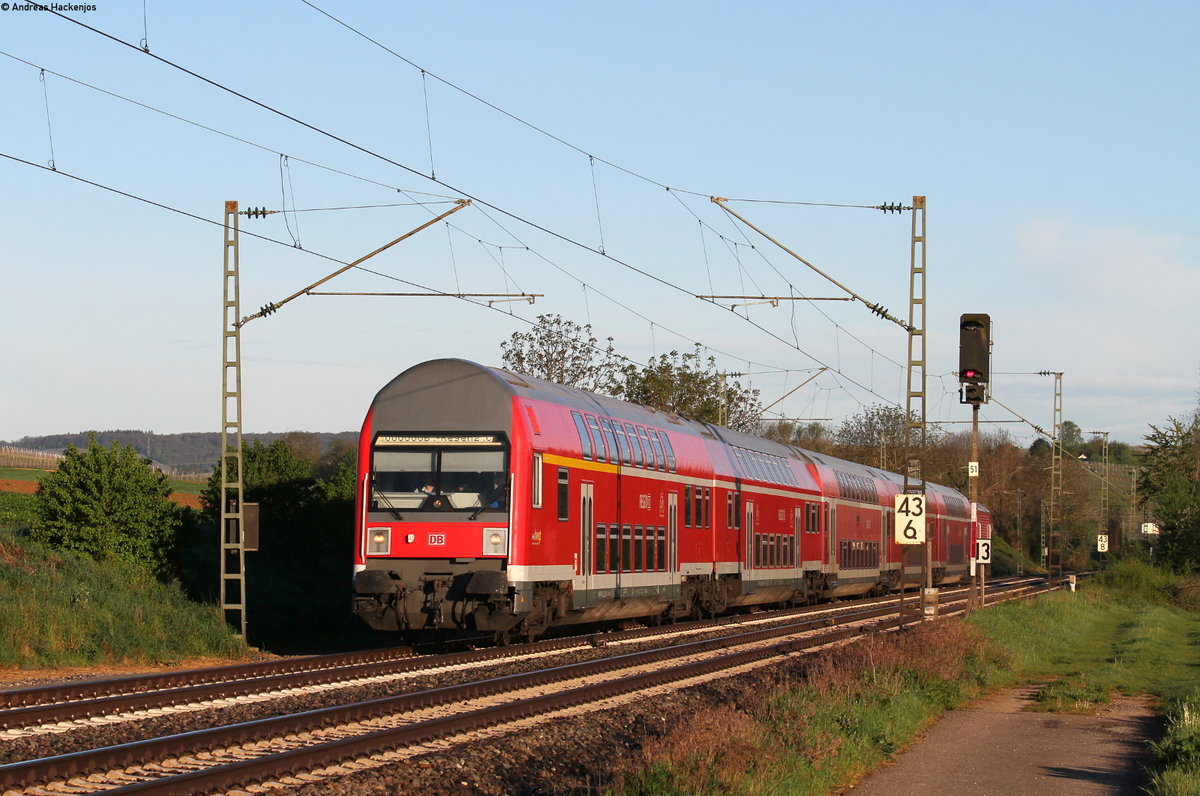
x,y
463,599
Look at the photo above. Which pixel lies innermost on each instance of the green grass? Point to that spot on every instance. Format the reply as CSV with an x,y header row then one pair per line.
x,y
21,473
16,511
66,610
1177,755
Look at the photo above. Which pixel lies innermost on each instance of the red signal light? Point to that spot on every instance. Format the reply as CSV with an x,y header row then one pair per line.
x,y
971,375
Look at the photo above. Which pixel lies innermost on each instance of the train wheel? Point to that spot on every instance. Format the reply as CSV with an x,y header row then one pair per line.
x,y
502,638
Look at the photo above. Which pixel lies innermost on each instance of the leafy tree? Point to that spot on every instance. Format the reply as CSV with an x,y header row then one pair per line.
x,y
564,352
812,435
1072,438
108,503
280,481
691,386
1041,448
1170,480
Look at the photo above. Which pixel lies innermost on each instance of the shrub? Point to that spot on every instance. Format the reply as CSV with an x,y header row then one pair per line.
x,y
107,503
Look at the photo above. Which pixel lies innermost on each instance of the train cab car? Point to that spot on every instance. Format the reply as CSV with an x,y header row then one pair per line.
x,y
490,501
499,503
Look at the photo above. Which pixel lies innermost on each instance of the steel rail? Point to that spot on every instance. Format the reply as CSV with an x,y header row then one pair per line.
x,y
65,702
104,759
240,772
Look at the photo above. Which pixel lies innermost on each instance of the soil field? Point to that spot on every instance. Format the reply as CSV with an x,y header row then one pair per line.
x,y
29,487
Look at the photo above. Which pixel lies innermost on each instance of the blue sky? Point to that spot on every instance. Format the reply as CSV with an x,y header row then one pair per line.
x,y
1055,143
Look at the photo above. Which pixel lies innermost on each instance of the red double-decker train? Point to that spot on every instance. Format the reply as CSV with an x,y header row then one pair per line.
x,y
494,502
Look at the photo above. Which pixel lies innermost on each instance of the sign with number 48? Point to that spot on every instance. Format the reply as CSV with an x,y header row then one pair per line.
x,y
910,519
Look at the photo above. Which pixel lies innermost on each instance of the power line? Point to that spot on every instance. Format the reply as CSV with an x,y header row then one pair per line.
x,y
477,200
216,131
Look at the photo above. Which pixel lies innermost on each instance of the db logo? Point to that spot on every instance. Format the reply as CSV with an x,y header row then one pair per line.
x,y
437,539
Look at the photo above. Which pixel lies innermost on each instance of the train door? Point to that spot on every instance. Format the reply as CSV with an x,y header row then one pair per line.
x,y
798,540
751,547
831,535
672,563
584,566
885,536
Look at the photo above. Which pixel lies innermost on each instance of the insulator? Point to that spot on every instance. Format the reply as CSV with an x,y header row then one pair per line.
x,y
269,308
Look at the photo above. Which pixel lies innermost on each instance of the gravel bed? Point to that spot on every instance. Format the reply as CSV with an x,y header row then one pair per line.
x,y
96,736
583,754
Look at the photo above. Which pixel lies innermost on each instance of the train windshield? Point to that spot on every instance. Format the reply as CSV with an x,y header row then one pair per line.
x,y
409,473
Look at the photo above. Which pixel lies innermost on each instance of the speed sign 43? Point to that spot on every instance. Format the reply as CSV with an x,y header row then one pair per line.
x,y
910,519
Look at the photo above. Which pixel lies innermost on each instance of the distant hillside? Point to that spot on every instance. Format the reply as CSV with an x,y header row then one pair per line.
x,y
195,452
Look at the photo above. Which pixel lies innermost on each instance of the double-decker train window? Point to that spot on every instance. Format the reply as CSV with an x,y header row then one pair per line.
x,y
756,466
601,558
636,444
740,459
585,439
564,494
666,442
707,506
622,443
626,547
639,549
609,439
651,462
602,452
687,506
658,449
813,521
614,549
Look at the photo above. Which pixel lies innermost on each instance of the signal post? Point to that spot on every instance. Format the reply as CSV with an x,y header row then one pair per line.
x,y
974,369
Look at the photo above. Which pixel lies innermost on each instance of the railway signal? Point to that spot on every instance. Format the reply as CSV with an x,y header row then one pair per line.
x,y
974,356
974,347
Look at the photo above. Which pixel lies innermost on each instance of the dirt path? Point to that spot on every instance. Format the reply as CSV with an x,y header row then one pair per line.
x,y
995,746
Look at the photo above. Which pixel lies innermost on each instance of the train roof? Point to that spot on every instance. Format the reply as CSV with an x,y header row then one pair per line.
x,y
457,394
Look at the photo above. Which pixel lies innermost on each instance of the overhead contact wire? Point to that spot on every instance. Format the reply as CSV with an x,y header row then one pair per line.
x,y
415,172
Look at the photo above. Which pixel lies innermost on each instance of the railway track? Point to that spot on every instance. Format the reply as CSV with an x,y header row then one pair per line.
x,y
376,731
